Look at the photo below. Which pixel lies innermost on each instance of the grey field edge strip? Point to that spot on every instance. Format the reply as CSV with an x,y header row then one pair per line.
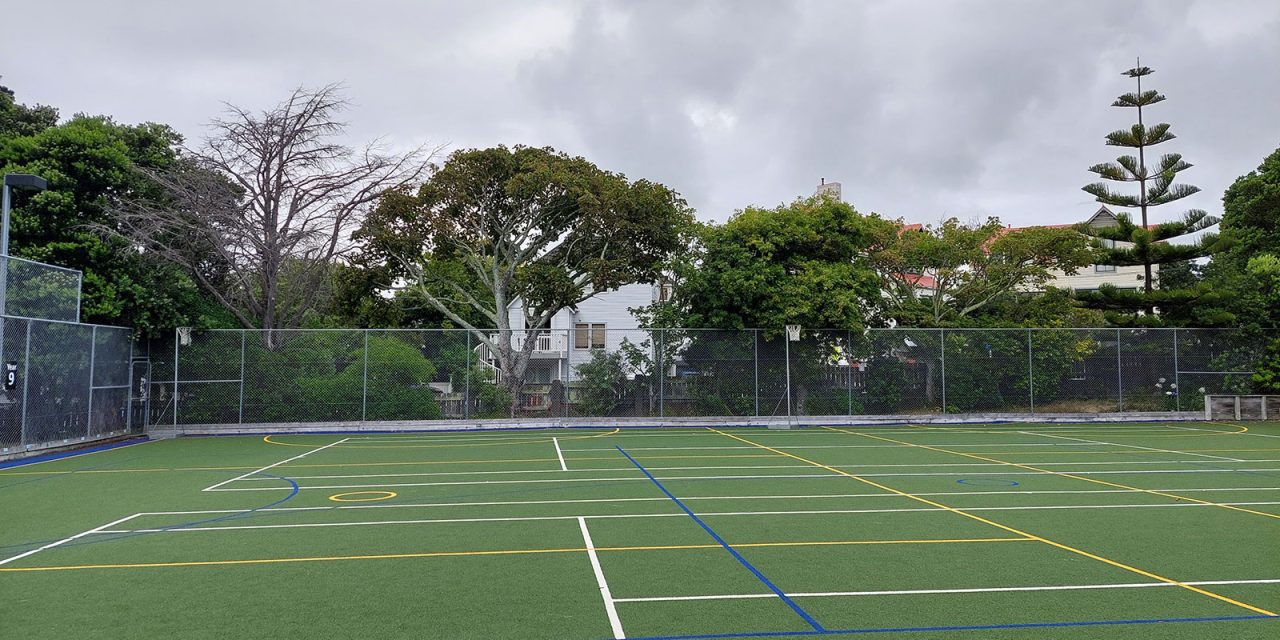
x,y
706,514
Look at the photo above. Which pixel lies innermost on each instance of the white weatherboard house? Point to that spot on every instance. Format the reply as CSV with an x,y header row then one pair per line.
x,y
1093,276
601,322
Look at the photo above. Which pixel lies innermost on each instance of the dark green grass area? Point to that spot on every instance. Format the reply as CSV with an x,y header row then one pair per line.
x,y
479,535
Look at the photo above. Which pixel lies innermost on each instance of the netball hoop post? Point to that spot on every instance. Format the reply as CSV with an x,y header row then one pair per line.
x,y
793,335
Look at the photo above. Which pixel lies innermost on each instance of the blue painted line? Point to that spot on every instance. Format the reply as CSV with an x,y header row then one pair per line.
x,y
987,482
737,556
976,627
71,453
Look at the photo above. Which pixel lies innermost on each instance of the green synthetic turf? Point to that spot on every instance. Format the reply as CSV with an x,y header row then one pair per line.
x,y
482,539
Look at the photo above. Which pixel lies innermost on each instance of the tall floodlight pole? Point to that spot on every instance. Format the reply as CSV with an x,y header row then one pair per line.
x,y
12,181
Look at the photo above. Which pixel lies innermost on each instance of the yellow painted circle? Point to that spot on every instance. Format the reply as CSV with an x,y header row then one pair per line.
x,y
346,497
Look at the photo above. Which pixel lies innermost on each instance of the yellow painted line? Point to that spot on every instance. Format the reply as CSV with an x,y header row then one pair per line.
x,y
1008,528
378,496
1063,474
268,440
500,552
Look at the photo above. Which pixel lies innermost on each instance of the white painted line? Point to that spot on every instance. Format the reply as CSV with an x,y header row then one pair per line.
x,y
413,474
563,466
609,608
270,466
1134,446
627,516
820,496
98,529
912,592
779,476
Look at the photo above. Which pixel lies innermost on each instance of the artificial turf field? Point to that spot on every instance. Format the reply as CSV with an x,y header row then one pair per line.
x,y
974,532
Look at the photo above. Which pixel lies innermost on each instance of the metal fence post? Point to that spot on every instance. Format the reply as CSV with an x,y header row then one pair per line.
x,y
942,348
26,377
1119,372
1177,385
848,366
93,354
364,381
1031,378
175,378
243,339
756,389
466,389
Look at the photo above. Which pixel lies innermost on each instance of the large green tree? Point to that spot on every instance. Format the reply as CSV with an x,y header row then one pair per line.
x,y
936,276
1132,243
804,263
88,161
520,233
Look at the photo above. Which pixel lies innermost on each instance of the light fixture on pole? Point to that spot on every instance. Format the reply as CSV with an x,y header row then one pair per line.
x,y
12,181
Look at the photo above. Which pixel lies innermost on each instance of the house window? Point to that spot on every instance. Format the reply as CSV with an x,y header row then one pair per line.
x,y
588,336
665,291
1104,268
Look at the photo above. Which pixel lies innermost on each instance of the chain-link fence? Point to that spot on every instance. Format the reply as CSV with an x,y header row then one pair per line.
x,y
234,377
37,290
64,383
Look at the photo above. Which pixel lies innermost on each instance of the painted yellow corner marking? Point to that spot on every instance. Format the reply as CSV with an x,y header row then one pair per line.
x,y
1007,528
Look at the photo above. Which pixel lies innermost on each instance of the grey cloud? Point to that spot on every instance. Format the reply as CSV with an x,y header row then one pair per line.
x,y
922,109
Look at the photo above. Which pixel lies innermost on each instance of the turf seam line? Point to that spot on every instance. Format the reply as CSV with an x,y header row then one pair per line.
x,y
1004,527
737,556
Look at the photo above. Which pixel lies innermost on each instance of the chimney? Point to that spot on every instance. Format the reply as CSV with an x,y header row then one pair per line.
x,y
828,190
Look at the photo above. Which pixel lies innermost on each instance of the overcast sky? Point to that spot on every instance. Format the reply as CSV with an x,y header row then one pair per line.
x,y
921,109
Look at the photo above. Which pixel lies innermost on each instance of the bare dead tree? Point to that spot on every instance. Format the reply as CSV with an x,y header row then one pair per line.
x,y
260,212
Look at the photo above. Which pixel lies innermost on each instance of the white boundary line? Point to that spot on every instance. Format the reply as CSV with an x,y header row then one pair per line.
x,y
841,496
609,608
617,516
1134,446
911,592
416,474
241,477
563,466
63,541
779,476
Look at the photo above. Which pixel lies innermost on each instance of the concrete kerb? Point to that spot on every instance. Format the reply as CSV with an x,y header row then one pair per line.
x,y
681,422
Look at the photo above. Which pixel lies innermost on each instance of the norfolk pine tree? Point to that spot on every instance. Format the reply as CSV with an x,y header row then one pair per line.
x,y
1148,243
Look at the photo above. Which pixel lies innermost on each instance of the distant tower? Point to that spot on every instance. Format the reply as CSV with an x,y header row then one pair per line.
x,y
828,190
